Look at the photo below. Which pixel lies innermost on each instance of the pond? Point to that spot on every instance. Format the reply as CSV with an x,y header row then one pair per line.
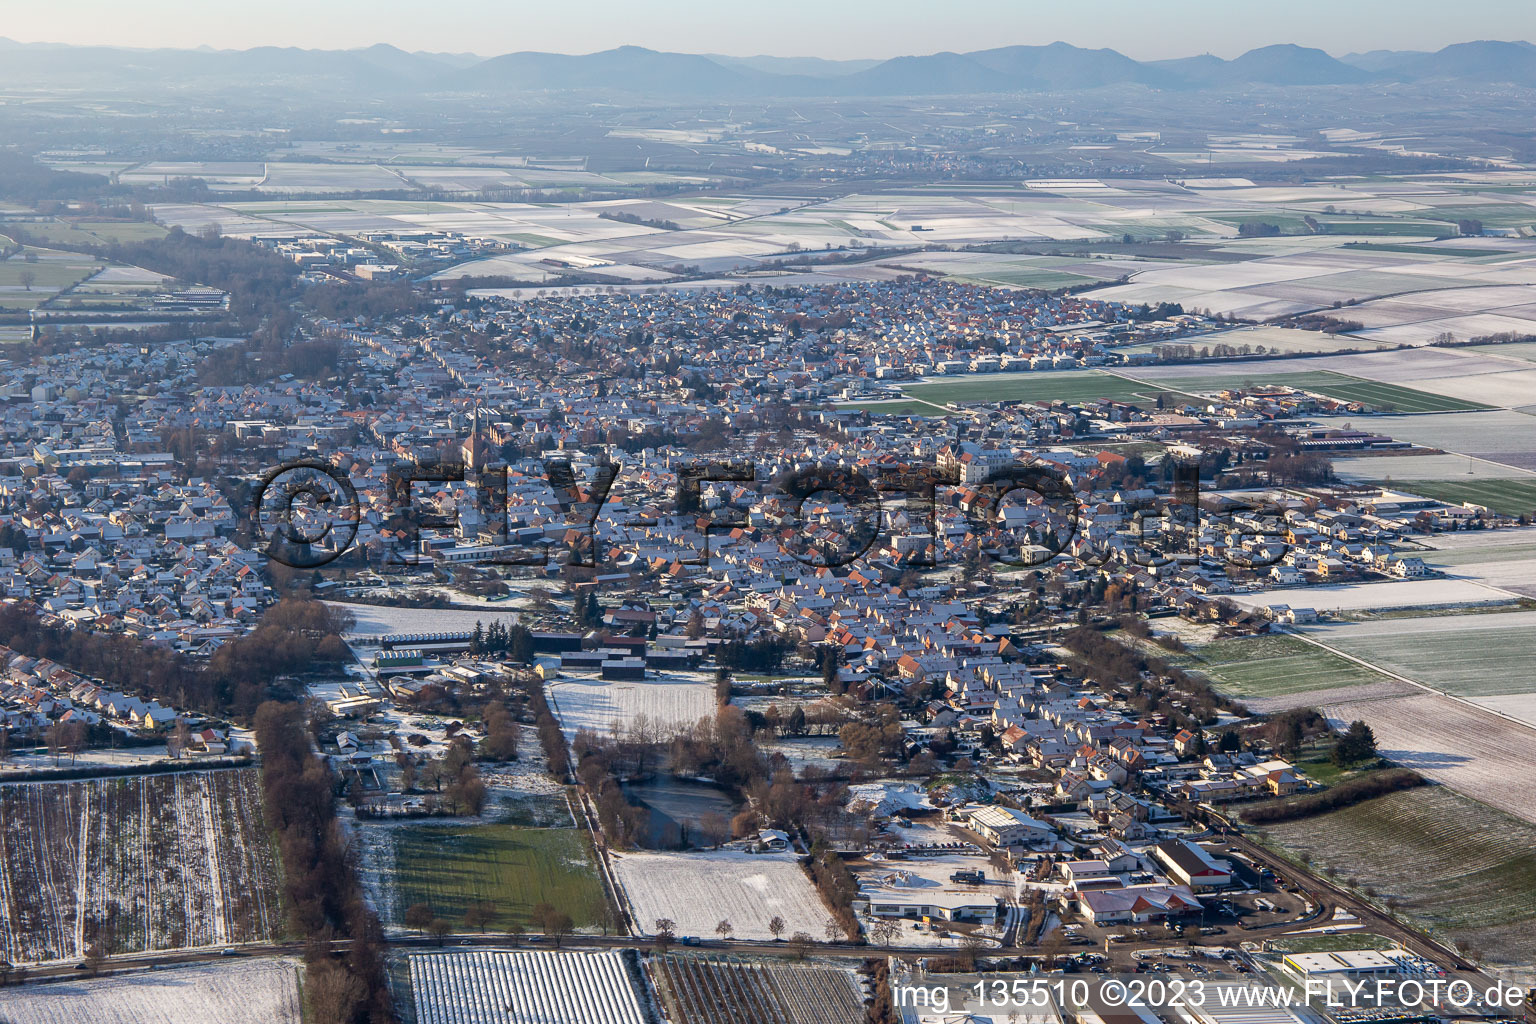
x,y
678,808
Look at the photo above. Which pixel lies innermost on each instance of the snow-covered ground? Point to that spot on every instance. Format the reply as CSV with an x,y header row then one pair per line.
x,y
699,890
541,987
238,992
882,798
379,620
1431,593
670,702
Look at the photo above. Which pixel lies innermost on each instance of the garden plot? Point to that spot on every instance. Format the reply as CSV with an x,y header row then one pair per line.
x,y
496,987
1475,752
1449,865
669,703
135,864
242,992
1465,655
699,890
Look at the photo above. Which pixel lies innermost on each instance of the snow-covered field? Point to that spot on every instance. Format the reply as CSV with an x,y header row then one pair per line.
x,y
540,987
669,702
1422,467
1431,593
378,620
240,992
1474,752
699,890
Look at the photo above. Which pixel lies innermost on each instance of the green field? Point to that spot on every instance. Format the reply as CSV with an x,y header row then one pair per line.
x,y
1068,386
94,232
448,867
49,275
1445,863
1276,665
1513,497
1379,396
1463,656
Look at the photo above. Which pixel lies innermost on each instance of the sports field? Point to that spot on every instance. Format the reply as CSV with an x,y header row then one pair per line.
x,y
1379,396
448,867
1068,386
1277,665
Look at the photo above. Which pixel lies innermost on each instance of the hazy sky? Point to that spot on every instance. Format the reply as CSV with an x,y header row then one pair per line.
x,y
1145,29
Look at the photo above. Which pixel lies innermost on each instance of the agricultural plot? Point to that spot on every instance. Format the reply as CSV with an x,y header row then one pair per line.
x,y
1081,386
1458,869
1419,469
1352,597
721,990
135,864
242,992
1278,665
699,890
669,703
1474,752
25,285
93,232
449,867
1500,558
1510,496
1465,655
496,987
1504,437
1375,394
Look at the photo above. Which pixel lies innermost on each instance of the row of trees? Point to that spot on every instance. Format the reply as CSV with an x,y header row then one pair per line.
x,y
321,890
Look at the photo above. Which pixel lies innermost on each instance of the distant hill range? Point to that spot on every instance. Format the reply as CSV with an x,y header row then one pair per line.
x,y
633,70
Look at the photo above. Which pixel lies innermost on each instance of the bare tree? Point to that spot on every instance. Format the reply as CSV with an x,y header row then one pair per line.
x,y
73,737
724,929
179,738
559,925
479,914
776,927
666,931
27,279
834,930
440,927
